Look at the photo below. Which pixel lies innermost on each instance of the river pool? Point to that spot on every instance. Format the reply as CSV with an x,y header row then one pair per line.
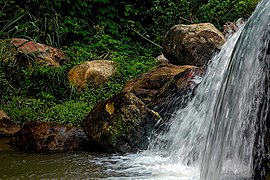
x,y
88,165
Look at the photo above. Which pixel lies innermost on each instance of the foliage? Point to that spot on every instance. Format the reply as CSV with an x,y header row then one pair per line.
x,y
167,13
67,21
70,112
43,93
122,31
219,12
23,109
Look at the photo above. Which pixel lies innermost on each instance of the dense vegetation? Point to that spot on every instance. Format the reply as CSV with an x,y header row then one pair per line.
x,y
124,31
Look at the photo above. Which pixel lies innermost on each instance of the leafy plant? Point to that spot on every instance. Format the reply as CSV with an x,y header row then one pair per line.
x,y
70,112
127,32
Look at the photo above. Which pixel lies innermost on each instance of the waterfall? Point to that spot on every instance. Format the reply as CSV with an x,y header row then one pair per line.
x,y
216,130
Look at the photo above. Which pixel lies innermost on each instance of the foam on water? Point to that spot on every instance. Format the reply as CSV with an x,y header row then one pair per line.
x,y
146,165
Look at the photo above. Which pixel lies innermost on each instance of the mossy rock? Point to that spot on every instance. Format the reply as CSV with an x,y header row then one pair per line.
x,y
120,124
193,44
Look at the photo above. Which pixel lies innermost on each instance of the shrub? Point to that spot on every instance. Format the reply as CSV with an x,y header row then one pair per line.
x,y
123,31
70,112
67,21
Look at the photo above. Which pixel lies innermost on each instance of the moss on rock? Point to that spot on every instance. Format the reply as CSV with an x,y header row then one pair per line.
x,y
120,124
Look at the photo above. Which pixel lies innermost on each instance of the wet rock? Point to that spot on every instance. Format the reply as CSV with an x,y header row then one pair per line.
x,y
120,124
7,126
92,73
177,93
230,28
192,44
147,85
29,52
42,136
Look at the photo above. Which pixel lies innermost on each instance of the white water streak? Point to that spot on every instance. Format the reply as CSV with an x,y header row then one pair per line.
x,y
216,129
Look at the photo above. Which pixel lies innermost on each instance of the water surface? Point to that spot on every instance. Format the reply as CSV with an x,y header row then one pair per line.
x,y
88,165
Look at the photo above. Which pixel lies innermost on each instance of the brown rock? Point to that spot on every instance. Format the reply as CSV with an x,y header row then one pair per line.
x,y
192,44
120,124
41,136
147,85
44,54
7,126
92,73
22,50
176,93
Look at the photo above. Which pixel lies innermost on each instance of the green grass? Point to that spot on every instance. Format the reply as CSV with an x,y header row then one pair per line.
x,y
40,93
116,31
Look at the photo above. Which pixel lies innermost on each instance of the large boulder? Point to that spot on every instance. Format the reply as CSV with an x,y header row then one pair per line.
x,y
7,126
26,51
92,73
120,124
177,92
192,44
42,136
147,85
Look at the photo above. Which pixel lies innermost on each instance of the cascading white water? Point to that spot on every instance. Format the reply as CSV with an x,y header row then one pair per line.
x,y
213,137
231,132
216,130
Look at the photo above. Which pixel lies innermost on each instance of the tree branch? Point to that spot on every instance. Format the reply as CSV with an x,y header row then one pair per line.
x,y
146,38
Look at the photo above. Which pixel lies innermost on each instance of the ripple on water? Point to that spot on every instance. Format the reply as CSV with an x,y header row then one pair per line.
x,y
86,165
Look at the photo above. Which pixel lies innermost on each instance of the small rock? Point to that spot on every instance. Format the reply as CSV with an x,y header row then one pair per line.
x,y
92,73
231,27
7,126
45,55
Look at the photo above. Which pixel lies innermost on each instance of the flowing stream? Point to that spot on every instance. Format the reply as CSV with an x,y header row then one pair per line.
x,y
216,131
212,138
